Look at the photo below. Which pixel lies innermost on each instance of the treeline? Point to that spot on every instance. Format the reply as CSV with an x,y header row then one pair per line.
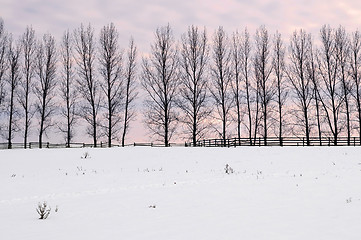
x,y
226,85
45,85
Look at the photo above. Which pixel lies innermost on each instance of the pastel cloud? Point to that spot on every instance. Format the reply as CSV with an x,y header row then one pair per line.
x,y
141,17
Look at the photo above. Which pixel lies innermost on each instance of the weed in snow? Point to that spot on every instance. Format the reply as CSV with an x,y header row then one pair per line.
x,y
85,155
81,170
43,210
228,169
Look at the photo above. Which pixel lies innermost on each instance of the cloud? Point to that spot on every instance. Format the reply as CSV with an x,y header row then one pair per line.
x,y
140,18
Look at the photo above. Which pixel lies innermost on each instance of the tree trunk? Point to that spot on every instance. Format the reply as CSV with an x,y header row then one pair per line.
x,y
11,118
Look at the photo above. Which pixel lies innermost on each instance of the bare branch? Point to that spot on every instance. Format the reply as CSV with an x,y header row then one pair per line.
x,y
193,99
131,92
110,60
46,60
88,84
221,88
160,79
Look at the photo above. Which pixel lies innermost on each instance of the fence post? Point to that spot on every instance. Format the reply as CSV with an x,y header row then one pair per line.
x,y
354,141
281,141
47,144
259,141
303,142
329,141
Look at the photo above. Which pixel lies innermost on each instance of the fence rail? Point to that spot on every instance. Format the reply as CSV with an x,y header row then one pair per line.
x,y
34,145
230,142
275,141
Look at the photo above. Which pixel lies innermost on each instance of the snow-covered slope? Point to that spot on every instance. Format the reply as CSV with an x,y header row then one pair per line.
x,y
182,193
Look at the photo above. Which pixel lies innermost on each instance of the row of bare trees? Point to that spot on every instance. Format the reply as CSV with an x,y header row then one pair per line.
x,y
81,78
257,83
223,85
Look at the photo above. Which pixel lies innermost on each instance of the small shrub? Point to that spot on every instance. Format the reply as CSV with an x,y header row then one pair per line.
x,y
85,155
228,169
43,210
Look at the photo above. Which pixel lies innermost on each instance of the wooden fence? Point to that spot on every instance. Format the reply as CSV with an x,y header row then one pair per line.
x,y
275,141
230,142
33,145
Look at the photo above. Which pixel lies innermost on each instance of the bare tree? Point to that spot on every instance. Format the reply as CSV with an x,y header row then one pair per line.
x,y
14,54
331,96
68,91
263,70
355,70
25,88
342,52
257,108
45,87
237,52
246,73
84,44
110,59
278,62
3,61
130,87
193,100
302,86
160,80
221,88
313,76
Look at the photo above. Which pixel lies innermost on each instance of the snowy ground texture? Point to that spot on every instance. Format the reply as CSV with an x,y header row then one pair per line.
x,y
182,193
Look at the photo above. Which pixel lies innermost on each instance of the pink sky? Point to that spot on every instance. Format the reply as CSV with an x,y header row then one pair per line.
x,y
141,17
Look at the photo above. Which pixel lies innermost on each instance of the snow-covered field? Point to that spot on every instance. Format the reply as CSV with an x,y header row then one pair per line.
x,y
182,193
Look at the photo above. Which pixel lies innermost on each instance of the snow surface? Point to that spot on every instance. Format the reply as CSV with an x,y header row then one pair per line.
x,y
182,193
